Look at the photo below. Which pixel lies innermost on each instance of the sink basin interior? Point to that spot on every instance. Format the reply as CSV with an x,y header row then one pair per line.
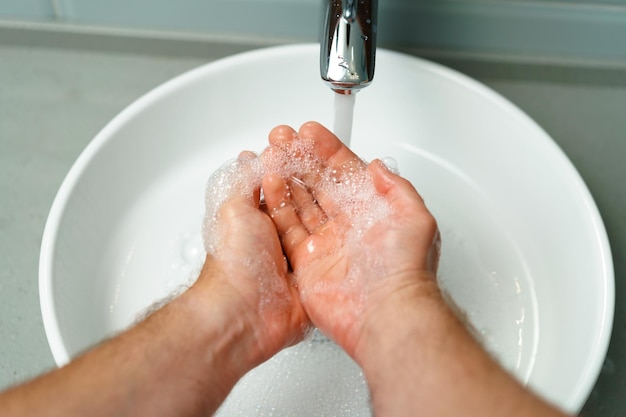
x,y
524,253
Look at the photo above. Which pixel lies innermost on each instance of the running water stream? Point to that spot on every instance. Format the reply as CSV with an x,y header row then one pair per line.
x,y
344,113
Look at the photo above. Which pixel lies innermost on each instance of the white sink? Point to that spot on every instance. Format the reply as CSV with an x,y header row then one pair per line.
x,y
525,252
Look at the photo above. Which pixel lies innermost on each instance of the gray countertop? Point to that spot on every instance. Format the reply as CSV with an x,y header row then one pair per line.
x,y
57,92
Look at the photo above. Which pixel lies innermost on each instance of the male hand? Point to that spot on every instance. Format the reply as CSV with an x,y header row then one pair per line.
x,y
245,262
344,275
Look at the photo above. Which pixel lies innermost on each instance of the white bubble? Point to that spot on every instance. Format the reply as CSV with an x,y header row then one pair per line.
x,y
312,379
391,164
348,191
235,178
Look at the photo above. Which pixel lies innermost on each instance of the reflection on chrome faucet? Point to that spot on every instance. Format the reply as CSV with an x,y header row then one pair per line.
x,y
348,44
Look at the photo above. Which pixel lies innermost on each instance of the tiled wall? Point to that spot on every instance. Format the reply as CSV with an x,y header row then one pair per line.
x,y
590,30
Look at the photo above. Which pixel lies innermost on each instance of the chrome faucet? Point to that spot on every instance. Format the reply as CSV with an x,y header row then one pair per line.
x,y
348,45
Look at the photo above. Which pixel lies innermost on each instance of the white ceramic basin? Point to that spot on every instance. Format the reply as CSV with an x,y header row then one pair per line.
x,y
525,252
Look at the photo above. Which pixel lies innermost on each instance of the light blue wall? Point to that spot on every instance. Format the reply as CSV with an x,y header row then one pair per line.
x,y
27,9
590,30
278,18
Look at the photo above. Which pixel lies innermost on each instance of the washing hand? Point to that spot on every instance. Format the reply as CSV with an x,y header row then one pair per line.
x,y
344,275
363,251
245,263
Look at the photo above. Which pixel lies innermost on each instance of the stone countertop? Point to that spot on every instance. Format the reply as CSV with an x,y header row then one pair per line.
x,y
57,92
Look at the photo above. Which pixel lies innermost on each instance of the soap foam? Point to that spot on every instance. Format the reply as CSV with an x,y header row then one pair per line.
x,y
236,178
352,189
348,189
315,377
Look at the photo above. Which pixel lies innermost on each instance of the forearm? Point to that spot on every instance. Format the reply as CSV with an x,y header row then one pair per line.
x,y
182,360
418,356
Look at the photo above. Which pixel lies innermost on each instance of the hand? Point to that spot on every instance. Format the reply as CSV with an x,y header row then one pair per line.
x,y
343,280
245,262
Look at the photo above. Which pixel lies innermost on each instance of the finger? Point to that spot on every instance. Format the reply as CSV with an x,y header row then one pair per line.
x,y
409,206
339,165
281,134
246,156
287,155
327,146
328,162
310,213
290,229
396,189
245,161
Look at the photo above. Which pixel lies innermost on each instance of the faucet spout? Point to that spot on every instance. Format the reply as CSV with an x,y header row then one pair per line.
x,y
348,45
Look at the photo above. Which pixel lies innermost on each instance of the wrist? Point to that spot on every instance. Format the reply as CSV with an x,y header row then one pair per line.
x,y
415,315
226,325
417,354
266,308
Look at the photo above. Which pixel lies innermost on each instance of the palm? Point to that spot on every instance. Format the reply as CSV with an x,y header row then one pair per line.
x,y
340,277
334,303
